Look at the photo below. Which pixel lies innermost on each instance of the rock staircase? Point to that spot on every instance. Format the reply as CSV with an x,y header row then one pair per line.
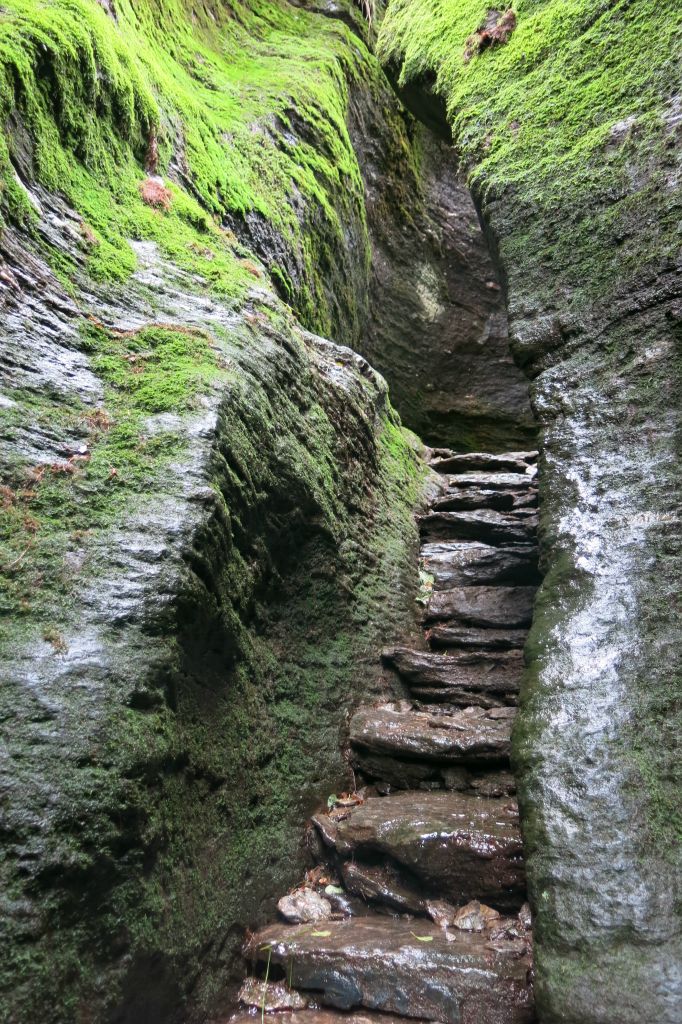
x,y
416,906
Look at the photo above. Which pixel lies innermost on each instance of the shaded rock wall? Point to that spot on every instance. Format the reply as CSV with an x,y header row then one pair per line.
x,y
438,325
570,132
175,680
207,509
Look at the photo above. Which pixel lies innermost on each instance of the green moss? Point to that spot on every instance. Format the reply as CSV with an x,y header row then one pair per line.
x,y
49,507
566,122
218,91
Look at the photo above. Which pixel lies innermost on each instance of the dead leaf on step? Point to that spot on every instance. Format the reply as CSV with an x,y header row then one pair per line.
x,y
475,917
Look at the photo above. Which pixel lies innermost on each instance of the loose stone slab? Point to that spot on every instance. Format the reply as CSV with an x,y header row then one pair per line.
x,y
402,967
460,846
462,564
480,524
507,607
468,677
473,735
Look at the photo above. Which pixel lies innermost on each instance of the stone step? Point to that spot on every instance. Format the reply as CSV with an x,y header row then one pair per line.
x,y
445,634
412,969
485,525
514,482
465,499
472,736
505,462
459,846
468,677
312,1016
494,607
471,563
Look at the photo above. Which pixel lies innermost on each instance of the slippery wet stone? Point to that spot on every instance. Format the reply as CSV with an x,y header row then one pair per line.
x,y
445,634
506,462
381,883
318,1016
515,482
506,607
465,498
405,967
480,524
303,906
473,735
460,846
461,564
464,677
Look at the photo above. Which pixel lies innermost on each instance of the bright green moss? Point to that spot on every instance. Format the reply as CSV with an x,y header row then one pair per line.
x,y
247,107
570,120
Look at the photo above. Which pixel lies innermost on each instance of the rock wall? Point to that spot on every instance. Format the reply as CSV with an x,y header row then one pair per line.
x,y
568,122
207,508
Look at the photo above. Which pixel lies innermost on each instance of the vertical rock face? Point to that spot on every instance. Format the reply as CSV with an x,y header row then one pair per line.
x,y
438,325
207,509
570,129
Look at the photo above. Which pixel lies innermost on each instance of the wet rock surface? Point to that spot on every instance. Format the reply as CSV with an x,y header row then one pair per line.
x,y
435,291
497,607
482,524
462,564
320,1015
472,735
457,844
430,841
467,676
417,970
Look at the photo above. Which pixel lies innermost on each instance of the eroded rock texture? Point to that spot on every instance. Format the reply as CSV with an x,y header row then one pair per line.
x,y
207,509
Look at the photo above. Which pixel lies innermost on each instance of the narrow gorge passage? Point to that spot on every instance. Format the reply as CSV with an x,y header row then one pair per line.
x,y
415,905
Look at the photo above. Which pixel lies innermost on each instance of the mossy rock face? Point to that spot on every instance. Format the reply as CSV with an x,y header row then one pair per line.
x,y
567,128
201,571
207,525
